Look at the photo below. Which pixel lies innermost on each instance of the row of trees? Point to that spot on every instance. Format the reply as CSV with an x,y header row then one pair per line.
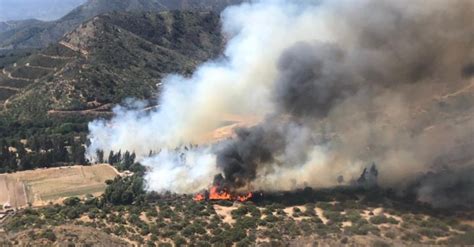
x,y
40,152
122,161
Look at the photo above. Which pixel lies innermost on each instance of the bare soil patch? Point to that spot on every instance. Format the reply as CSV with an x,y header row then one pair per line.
x,y
225,213
42,186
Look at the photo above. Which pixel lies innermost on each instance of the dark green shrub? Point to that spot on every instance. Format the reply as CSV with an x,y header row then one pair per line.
x,y
179,241
353,215
361,227
239,212
334,216
410,236
382,219
49,234
271,218
463,239
246,222
431,232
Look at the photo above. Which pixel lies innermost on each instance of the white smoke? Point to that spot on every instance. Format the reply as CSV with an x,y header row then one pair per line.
x,y
360,82
180,171
240,82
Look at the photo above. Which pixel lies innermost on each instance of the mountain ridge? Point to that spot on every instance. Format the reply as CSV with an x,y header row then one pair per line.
x,y
40,34
109,58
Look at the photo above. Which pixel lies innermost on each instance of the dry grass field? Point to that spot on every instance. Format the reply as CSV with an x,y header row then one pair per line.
x,y
12,191
39,187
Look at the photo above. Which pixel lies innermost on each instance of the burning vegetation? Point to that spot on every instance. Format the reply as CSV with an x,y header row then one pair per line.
x,y
215,193
337,86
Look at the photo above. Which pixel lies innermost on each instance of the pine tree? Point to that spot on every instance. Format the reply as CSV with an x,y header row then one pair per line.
x,y
110,160
100,156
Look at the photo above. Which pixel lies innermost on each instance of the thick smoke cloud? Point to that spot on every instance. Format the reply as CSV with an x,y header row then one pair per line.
x,y
261,149
446,188
340,85
312,79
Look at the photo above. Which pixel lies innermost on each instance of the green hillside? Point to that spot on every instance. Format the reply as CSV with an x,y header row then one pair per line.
x,y
27,34
107,59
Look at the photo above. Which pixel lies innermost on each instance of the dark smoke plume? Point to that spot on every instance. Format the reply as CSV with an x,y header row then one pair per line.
x,y
312,79
341,84
447,188
389,58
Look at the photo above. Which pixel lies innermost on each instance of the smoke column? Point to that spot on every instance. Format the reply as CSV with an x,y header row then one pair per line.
x,y
340,84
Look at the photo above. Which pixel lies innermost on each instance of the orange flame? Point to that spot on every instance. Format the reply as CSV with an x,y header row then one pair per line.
x,y
199,197
245,197
216,194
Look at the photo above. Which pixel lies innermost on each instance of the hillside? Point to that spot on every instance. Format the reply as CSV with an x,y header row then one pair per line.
x,y
40,34
303,218
107,59
11,25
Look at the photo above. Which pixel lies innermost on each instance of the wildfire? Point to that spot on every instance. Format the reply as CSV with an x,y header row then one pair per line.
x,y
216,194
244,197
199,197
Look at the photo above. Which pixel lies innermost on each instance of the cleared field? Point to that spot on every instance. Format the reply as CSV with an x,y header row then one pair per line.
x,y
12,192
39,187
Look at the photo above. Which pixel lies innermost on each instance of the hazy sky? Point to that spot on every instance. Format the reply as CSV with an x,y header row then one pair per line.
x,y
38,9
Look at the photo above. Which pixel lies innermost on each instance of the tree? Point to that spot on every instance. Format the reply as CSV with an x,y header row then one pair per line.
x,y
125,190
78,153
110,160
100,156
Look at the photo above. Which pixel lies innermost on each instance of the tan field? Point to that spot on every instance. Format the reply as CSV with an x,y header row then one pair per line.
x,y
228,126
12,191
41,186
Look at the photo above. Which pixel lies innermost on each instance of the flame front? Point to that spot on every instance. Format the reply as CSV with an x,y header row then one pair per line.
x,y
216,194
199,197
245,197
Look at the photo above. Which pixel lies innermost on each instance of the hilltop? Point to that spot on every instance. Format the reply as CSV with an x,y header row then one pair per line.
x,y
28,34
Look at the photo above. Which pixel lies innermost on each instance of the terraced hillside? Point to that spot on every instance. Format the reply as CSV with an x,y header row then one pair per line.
x,y
34,33
107,59
19,75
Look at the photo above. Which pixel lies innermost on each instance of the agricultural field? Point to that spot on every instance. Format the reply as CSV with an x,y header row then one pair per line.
x,y
42,186
12,191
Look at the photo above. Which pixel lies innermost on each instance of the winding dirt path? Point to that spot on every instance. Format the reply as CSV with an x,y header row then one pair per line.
x,y
9,75
10,88
102,109
55,57
39,67
320,214
73,47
